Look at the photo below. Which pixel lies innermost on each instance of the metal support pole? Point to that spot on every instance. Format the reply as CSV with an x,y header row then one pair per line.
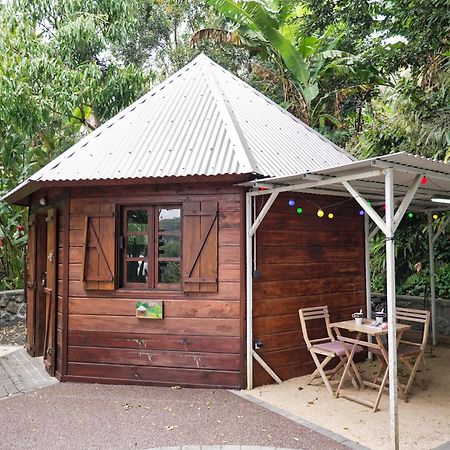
x,y
368,272
432,278
249,279
391,307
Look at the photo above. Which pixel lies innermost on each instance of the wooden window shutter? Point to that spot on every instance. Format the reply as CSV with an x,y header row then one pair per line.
x,y
200,232
98,265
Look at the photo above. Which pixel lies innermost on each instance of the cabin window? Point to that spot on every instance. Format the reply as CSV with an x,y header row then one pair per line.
x,y
151,243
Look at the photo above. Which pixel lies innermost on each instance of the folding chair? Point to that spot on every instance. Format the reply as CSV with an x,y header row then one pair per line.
x,y
327,346
410,353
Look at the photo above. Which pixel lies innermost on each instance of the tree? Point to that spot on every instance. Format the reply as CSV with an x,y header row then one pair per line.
x,y
314,72
59,79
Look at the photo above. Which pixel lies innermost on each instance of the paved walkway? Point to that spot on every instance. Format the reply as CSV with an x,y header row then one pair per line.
x,y
94,416
20,373
85,416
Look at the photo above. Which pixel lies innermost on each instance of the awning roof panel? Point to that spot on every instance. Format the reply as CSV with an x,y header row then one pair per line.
x,y
406,168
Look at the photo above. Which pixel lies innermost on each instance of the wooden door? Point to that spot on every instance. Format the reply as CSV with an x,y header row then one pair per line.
x,y
31,284
50,293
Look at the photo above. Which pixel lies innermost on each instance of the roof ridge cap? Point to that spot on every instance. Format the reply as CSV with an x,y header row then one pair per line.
x,y
284,111
232,125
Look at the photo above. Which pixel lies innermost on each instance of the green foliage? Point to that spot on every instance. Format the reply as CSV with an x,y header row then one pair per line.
x,y
411,251
12,246
59,79
408,117
372,76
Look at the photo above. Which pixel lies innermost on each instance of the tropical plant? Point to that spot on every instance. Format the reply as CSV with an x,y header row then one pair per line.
x,y
272,31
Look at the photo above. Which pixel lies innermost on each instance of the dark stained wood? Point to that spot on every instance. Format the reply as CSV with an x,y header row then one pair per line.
x,y
180,343
205,323
31,284
227,272
41,269
199,326
228,290
62,336
154,358
113,373
293,255
172,308
276,306
98,261
243,283
303,261
50,348
323,285
200,241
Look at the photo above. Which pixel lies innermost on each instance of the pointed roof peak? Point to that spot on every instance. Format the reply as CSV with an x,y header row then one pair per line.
x,y
202,120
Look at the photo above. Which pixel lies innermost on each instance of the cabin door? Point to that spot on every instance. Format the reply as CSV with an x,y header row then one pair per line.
x,y
36,268
41,282
50,284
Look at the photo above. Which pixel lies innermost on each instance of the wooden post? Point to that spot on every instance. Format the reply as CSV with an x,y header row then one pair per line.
x,y
249,279
432,278
368,273
391,308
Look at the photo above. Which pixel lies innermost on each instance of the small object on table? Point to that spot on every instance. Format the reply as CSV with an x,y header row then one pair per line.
x,y
358,316
379,316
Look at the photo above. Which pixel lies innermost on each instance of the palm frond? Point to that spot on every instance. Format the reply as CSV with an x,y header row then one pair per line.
x,y
216,35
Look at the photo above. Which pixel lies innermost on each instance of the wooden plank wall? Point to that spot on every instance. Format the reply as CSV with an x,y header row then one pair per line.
x,y
304,261
198,343
59,291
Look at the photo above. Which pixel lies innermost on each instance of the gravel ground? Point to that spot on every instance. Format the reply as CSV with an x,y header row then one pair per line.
x,y
13,333
90,416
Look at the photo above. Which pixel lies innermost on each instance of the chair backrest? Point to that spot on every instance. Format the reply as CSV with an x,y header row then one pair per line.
x,y
414,316
315,313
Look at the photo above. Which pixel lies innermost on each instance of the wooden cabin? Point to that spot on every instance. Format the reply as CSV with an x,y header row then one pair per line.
x,y
136,240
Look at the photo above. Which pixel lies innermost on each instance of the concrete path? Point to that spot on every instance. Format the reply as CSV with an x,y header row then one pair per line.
x,y
20,373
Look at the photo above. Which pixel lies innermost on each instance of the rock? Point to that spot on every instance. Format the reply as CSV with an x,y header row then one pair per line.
x,y
12,307
22,311
3,301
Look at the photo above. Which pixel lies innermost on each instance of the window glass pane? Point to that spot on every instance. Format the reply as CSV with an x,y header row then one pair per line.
x,y
169,246
137,246
169,272
137,271
169,219
137,220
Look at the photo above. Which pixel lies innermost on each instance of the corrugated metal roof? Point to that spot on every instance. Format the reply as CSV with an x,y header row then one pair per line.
x,y
201,121
406,168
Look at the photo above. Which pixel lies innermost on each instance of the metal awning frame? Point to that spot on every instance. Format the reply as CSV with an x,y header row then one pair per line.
x,y
397,200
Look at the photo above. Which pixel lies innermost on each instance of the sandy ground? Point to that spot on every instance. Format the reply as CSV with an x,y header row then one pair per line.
x,y
424,420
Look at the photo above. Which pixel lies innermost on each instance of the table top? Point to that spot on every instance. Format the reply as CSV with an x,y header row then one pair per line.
x,y
350,325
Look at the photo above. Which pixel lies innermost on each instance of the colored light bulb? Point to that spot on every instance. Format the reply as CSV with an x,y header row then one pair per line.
x,y
424,180
330,215
291,202
320,213
410,215
299,210
435,216
361,212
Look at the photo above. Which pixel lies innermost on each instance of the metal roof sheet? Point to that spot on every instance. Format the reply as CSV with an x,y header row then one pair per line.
x,y
201,121
406,168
